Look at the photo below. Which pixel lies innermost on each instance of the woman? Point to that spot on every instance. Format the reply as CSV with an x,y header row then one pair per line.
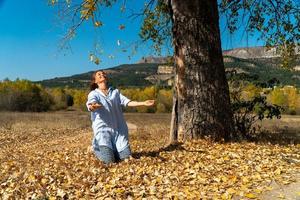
x,y
110,142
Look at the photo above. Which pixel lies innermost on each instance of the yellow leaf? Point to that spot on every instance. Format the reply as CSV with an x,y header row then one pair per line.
x,y
281,196
44,181
250,196
224,178
226,196
269,188
258,191
53,2
98,24
245,180
113,170
231,191
257,176
119,190
226,158
31,178
97,61
277,171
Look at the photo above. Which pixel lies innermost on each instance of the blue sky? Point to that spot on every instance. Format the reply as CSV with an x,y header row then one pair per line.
x,y
30,35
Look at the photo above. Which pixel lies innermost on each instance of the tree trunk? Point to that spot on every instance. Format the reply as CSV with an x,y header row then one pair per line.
x,y
201,95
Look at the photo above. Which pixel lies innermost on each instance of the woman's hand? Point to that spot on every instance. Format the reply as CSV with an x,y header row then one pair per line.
x,y
149,103
94,106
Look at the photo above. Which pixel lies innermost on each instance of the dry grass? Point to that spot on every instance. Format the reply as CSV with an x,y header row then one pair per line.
x,y
38,131
282,131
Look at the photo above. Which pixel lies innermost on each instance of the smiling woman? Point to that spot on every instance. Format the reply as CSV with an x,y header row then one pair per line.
x,y
110,142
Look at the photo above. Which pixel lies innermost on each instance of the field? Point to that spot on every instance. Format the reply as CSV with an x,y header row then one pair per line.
x,y
48,156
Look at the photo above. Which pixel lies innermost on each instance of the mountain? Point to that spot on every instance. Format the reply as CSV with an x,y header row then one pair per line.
x,y
123,75
263,69
256,62
254,52
251,52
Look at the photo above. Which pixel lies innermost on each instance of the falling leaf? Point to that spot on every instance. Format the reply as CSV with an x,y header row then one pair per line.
x,y
92,57
53,2
97,61
122,26
123,8
98,23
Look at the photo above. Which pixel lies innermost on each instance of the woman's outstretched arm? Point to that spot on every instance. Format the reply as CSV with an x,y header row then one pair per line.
x,y
141,103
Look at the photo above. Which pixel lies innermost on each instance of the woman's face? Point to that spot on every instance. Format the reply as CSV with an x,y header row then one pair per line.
x,y
100,77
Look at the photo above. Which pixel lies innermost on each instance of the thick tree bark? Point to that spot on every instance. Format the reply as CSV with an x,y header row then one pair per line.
x,y
201,95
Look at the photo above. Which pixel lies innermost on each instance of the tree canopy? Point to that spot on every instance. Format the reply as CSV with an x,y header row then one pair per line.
x,y
277,22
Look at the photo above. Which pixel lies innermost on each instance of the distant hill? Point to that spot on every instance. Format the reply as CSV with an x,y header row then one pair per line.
x,y
254,52
255,62
123,75
263,69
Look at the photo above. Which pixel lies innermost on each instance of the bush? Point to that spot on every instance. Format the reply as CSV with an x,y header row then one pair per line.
x,y
247,113
250,108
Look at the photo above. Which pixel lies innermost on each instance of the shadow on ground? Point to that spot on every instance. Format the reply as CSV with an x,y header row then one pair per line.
x,y
282,136
170,148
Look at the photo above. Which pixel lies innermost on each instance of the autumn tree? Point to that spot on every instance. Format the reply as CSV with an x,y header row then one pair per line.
x,y
23,95
201,104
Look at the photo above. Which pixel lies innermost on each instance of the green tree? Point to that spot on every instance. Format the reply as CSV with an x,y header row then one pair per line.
x,y
201,104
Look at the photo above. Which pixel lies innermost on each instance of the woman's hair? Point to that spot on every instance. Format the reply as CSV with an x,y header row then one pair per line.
x,y
94,85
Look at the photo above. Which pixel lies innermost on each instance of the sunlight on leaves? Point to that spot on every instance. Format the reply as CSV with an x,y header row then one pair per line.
x,y
56,162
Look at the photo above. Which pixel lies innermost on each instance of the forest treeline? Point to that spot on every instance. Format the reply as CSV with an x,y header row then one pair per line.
x,y
23,95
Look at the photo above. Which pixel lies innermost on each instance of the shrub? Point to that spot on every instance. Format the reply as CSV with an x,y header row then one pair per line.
x,y
247,113
250,108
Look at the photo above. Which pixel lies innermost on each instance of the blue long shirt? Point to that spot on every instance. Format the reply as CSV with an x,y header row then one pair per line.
x,y
108,123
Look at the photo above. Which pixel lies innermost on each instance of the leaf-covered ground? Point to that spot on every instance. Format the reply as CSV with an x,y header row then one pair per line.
x,y
47,156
